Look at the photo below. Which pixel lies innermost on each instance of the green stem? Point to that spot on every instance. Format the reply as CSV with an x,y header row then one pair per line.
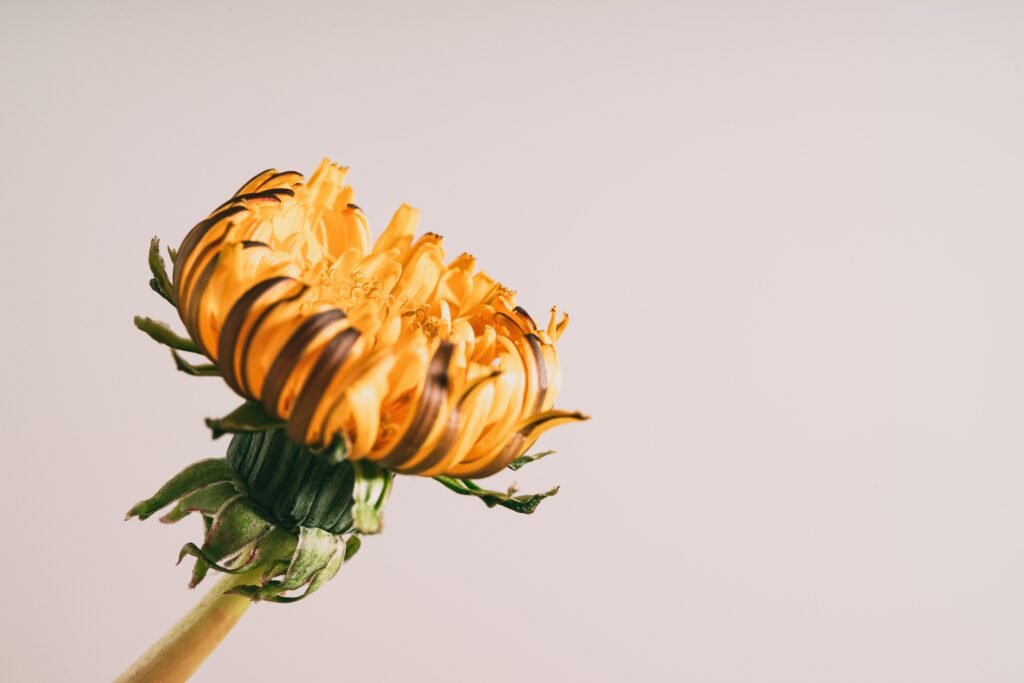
x,y
177,655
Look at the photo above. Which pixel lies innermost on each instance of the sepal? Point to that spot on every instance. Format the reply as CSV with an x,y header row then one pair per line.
x,y
316,560
248,417
369,495
275,509
201,370
242,535
160,283
205,501
524,460
191,479
524,504
161,333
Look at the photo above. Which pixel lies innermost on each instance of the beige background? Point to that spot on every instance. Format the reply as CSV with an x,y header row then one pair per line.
x,y
789,235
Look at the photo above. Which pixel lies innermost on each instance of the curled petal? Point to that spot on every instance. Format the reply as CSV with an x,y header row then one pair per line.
x,y
413,362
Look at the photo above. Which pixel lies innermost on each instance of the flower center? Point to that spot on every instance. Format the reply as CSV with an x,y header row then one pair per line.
x,y
370,301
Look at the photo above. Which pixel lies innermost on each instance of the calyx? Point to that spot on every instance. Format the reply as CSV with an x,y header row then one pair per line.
x,y
277,506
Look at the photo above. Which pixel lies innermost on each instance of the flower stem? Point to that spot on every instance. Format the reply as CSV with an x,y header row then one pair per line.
x,y
188,643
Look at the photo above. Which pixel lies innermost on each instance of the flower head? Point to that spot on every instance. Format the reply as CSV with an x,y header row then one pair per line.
x,y
358,360
419,365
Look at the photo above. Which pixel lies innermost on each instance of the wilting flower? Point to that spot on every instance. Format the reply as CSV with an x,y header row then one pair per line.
x,y
418,365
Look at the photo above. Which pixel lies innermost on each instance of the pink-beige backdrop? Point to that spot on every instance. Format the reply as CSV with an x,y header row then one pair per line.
x,y
790,235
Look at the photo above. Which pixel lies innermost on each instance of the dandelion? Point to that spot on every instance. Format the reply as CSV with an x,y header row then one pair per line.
x,y
357,360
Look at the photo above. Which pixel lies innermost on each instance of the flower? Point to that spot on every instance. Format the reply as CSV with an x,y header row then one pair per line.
x,y
416,365
357,362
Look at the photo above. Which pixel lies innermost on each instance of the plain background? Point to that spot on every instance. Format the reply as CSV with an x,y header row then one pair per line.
x,y
789,234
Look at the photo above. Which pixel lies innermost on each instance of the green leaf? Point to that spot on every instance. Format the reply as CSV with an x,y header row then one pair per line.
x,y
160,332
248,417
160,283
203,370
369,494
524,460
524,504
192,478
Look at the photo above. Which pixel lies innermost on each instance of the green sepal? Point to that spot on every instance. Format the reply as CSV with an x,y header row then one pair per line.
x,y
369,494
242,534
161,284
342,552
274,543
203,370
173,254
237,527
352,546
316,560
315,551
208,562
233,537
192,478
161,333
524,504
248,417
205,501
524,460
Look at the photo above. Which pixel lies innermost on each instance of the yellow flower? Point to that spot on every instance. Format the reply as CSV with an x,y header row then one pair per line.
x,y
419,366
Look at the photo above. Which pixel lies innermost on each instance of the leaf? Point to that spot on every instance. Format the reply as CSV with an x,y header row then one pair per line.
x,y
248,417
369,494
524,460
160,283
524,504
203,370
192,478
162,333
